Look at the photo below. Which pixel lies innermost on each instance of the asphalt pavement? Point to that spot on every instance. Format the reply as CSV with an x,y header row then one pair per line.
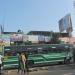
x,y
47,70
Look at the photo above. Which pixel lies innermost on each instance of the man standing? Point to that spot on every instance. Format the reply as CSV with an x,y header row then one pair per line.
x,y
22,62
23,58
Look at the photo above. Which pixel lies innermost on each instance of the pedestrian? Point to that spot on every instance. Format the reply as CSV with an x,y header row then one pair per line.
x,y
23,63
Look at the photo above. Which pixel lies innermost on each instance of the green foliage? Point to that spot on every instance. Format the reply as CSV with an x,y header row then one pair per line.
x,y
55,39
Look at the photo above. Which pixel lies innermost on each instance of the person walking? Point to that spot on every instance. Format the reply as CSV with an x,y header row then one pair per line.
x,y
21,63
23,58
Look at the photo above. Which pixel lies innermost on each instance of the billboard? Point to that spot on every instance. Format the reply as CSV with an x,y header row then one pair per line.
x,y
16,37
65,23
5,39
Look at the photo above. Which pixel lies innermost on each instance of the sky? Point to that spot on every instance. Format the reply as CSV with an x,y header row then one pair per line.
x,y
34,15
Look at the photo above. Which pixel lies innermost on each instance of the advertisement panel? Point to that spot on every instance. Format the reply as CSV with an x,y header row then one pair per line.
x,y
65,23
41,38
5,39
25,38
33,38
47,39
16,37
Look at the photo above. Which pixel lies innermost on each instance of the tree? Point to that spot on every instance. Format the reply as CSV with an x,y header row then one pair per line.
x,y
19,31
55,39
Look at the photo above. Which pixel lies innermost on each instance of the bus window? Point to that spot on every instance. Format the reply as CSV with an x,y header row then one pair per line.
x,y
45,51
40,50
35,52
32,52
53,50
10,53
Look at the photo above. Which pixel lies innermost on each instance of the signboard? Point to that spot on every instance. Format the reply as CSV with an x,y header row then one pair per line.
x,y
16,37
5,39
65,23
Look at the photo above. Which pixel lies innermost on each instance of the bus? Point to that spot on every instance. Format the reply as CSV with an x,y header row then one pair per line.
x,y
38,55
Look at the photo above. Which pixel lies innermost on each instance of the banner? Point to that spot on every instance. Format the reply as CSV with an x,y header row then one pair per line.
x,y
5,39
16,37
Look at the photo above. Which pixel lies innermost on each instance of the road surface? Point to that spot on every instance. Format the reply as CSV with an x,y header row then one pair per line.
x,y
49,70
